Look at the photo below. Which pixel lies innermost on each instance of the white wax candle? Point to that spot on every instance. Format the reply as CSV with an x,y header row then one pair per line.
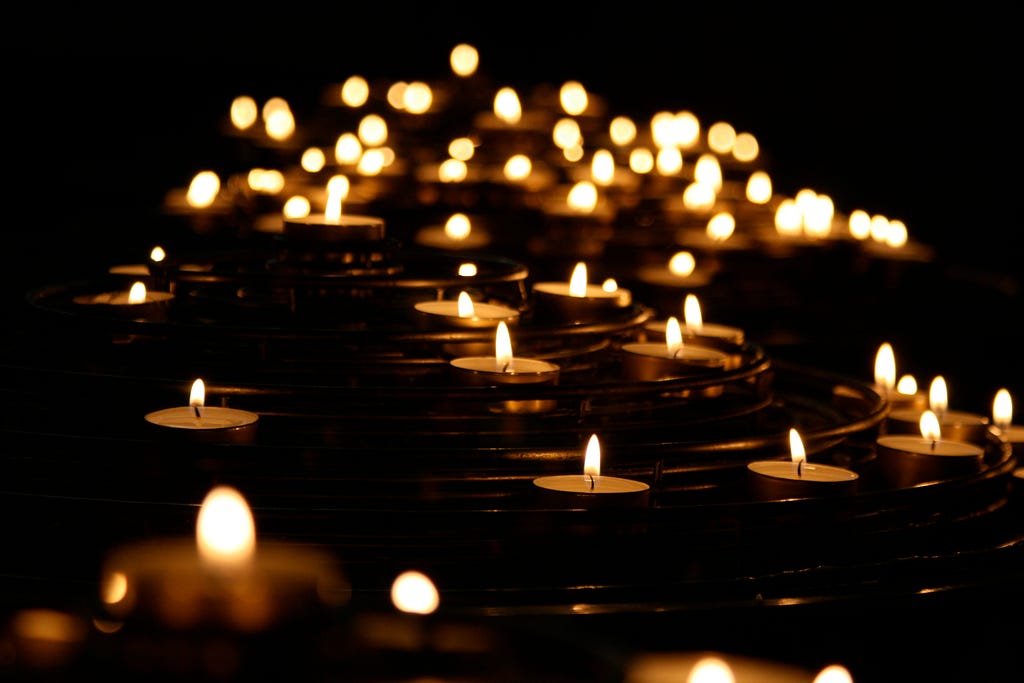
x,y
955,425
491,370
591,488
651,361
780,479
906,460
446,313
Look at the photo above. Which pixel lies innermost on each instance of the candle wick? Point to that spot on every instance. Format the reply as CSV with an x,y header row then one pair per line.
x,y
799,468
195,409
506,366
591,481
933,444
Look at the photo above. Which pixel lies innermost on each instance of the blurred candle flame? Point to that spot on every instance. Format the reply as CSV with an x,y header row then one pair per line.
x,y
467,269
885,367
711,669
355,91
337,191
691,312
507,106
582,196
203,189
137,294
610,285
907,385
457,227
930,427
464,60
114,588
796,450
244,112
503,346
414,593
834,673
1002,410
938,397
721,226
573,98
682,263
466,308
673,337
578,281
157,254
225,530
592,458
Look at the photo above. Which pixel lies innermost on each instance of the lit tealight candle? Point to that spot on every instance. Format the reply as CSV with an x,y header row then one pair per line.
x,y
458,233
591,489
207,422
1002,418
903,395
221,579
779,479
333,225
578,301
466,313
504,369
906,460
649,361
136,299
956,425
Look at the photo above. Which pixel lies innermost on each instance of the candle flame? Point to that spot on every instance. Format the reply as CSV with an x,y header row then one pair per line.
x,y
197,396
157,254
610,285
578,281
682,264
673,337
466,308
930,427
833,673
721,226
503,345
467,269
203,189
796,450
114,588
592,458
413,592
711,670
137,294
225,531
464,60
691,312
457,227
337,190
938,398
907,385
507,106
1002,409
885,367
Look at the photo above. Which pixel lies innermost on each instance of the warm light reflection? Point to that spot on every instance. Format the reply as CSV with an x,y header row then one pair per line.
x,y
372,130
157,254
573,153
930,427
711,669
225,530
573,98
203,189
578,280
673,337
347,148
46,625
759,188
721,226
466,308
414,593
114,588
682,264
796,450
691,313
244,112
467,269
938,396
885,367
337,190
137,294
582,197
833,673
503,345
197,395
518,167
464,60
355,91
592,458
907,385
507,106
1002,410
457,227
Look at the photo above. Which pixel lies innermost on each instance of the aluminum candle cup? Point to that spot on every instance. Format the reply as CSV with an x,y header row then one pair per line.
x,y
781,479
441,315
725,338
489,371
955,425
214,424
553,302
906,460
651,361
347,228
582,491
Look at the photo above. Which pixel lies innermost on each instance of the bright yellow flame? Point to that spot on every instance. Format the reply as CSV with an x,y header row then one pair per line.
x,y
313,160
347,148
897,235
592,458
721,137
664,130
464,60
203,189
796,448
225,530
691,312
566,133
414,593
502,344
907,385
759,188
673,336
860,224
457,227
337,190
452,171
518,167
157,254
641,160
507,106
788,220
833,673
462,149
602,167
1002,409
244,112
707,170
885,366
372,162
137,294
669,161
197,395
879,228
682,264
930,427
115,588
818,213
578,280
278,120
721,226
711,670
296,207
573,98
582,197
372,130
467,269
355,91
466,308
938,396
622,130
417,98
265,180
687,128
610,285
746,148
699,196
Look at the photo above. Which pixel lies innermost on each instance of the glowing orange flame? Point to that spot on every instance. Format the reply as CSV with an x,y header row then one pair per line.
x,y
1002,409
930,427
225,530
673,337
592,458
796,449
503,345
466,308
885,367
414,593
578,281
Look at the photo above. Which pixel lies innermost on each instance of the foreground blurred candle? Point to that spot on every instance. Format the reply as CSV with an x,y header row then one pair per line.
x,y
579,301
779,479
207,422
956,425
723,667
651,361
911,460
591,489
221,579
